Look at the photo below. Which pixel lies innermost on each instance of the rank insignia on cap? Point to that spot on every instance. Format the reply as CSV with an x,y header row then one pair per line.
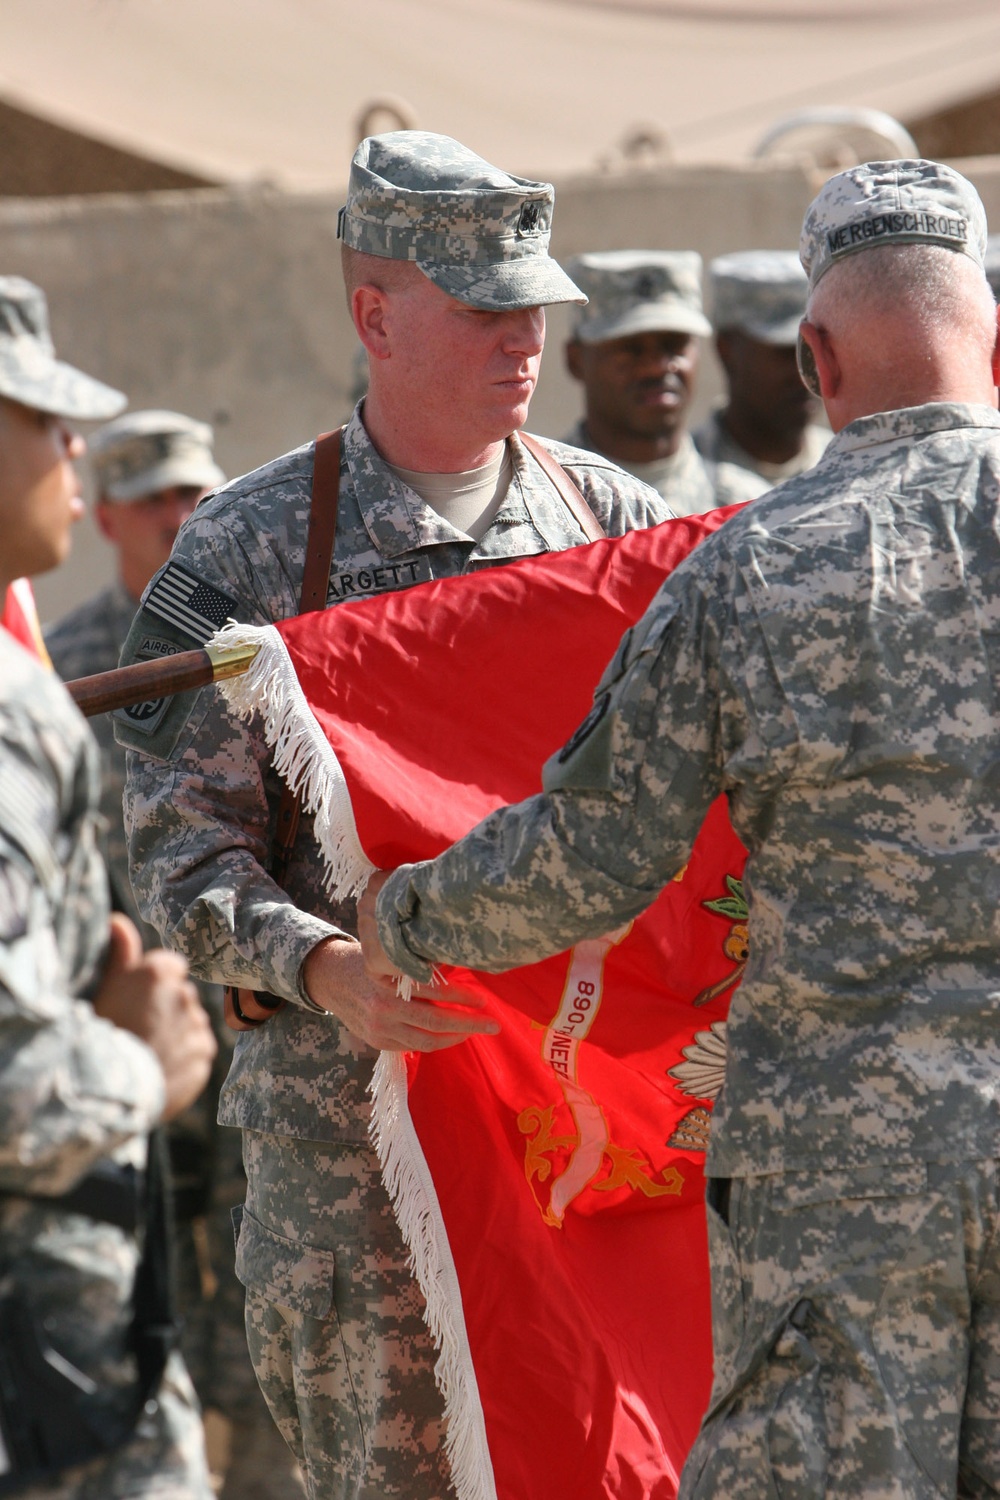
x,y
184,601
529,220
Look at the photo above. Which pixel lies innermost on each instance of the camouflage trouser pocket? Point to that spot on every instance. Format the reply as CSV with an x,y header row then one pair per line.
x,y
283,1271
850,1375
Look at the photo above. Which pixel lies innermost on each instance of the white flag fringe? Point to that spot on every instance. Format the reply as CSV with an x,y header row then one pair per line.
x,y
304,757
414,1198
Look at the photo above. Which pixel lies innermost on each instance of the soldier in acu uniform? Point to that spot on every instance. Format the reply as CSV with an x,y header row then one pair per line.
x,y
98,1042
635,351
150,469
447,270
831,660
767,422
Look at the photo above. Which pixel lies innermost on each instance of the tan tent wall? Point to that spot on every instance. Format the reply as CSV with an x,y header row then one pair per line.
x,y
228,305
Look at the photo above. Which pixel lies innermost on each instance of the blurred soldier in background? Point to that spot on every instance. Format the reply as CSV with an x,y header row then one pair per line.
x,y
767,424
150,470
98,1041
635,351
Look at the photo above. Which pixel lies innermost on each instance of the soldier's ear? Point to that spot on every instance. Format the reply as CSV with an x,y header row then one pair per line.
x,y
817,360
104,515
995,362
573,354
368,309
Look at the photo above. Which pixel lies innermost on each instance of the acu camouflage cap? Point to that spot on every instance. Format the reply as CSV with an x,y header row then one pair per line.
x,y
476,232
638,291
29,370
759,292
909,202
148,451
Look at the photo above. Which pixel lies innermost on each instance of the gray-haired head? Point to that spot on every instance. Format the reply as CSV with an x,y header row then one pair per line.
x,y
479,234
638,291
29,370
891,203
759,292
148,451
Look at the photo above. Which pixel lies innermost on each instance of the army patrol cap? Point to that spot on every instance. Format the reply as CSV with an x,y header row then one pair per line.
x,y
759,292
891,203
29,370
638,291
476,232
147,451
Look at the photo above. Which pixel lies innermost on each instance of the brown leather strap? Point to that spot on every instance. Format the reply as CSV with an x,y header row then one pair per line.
x,y
322,522
574,498
315,586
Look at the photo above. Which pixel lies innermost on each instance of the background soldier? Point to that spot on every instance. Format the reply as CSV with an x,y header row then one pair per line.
x,y
82,1081
768,422
831,660
150,470
447,270
635,351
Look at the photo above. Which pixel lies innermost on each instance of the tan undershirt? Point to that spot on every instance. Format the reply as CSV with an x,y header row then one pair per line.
x,y
468,501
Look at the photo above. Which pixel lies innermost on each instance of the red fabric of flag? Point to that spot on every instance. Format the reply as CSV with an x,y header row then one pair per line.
x,y
549,1179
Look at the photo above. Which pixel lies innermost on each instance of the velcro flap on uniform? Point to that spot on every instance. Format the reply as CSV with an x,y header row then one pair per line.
x,y
296,1276
800,1189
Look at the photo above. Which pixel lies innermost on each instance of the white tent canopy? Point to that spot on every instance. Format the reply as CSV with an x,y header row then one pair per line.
x,y
243,90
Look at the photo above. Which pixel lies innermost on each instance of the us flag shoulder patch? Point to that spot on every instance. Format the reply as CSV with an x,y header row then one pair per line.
x,y
185,601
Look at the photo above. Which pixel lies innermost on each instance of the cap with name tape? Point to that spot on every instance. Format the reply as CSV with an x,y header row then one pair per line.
x,y
144,452
759,292
908,202
638,291
479,234
29,370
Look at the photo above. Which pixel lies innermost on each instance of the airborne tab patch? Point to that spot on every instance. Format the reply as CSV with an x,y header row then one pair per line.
x,y
184,601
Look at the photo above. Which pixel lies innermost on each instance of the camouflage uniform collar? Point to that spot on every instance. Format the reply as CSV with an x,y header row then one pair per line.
x,y
395,517
911,421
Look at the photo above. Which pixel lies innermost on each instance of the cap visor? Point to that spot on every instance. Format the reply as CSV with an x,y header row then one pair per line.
x,y
534,281
59,388
165,476
655,317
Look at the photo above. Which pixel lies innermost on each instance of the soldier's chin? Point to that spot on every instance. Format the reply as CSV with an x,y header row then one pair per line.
x,y
516,401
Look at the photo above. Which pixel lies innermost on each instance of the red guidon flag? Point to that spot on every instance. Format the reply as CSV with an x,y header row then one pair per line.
x,y
548,1180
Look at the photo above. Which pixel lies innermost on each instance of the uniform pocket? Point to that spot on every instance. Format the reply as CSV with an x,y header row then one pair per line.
x,y
296,1276
795,1190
